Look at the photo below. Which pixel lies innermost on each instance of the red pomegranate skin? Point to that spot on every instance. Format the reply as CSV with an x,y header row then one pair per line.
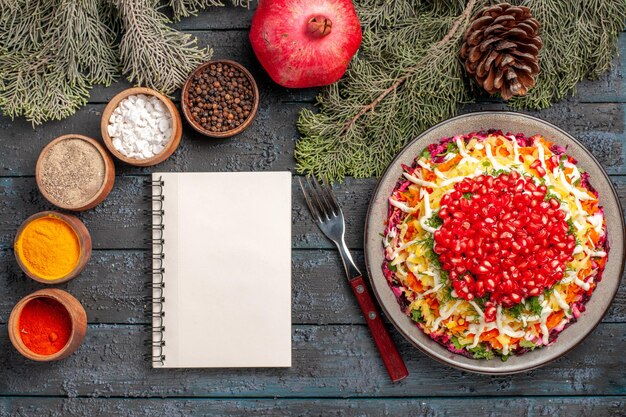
x,y
305,43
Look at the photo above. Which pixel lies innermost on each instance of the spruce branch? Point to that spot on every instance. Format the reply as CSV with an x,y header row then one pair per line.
x,y
47,68
462,20
152,53
53,51
408,77
185,8
579,41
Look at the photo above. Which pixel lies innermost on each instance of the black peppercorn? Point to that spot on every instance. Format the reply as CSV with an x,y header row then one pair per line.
x,y
220,98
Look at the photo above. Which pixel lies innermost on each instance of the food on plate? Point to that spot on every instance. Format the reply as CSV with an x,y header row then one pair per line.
x,y
494,242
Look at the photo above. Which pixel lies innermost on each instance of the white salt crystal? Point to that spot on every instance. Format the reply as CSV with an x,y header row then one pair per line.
x,y
164,124
140,127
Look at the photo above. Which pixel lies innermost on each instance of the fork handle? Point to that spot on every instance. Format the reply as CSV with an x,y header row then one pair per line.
x,y
387,348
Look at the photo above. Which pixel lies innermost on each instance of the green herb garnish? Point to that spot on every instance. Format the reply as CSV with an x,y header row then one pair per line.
x,y
570,226
416,315
497,172
516,310
534,305
480,352
435,221
527,344
456,343
467,195
450,148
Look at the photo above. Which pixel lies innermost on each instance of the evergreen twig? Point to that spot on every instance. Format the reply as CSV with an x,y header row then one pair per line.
x,y
52,51
185,8
152,53
408,77
400,80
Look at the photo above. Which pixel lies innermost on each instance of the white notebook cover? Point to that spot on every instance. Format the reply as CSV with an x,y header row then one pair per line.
x,y
227,261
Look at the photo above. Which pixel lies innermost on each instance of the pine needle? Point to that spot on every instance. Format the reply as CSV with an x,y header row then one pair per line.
x,y
185,8
408,79
152,53
53,51
46,68
407,76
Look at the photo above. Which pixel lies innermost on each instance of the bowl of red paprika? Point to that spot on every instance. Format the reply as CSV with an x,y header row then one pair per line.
x,y
47,325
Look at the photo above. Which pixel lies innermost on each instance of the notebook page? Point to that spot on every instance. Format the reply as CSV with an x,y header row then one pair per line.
x,y
228,269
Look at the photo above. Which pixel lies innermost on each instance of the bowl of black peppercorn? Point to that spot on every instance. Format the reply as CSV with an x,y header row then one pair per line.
x,y
220,99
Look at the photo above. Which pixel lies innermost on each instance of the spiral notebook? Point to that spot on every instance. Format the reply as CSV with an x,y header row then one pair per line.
x,y
221,278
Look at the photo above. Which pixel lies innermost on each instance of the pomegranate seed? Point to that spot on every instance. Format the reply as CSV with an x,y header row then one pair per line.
x,y
554,203
535,163
505,242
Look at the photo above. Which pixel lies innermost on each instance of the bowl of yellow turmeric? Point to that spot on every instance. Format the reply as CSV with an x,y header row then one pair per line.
x,y
52,247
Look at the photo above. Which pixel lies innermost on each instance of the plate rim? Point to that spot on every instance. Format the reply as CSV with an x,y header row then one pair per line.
x,y
478,369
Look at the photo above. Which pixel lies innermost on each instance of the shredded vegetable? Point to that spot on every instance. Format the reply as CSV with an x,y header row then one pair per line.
x,y
435,295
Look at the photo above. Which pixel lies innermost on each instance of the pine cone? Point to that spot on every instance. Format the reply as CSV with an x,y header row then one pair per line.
x,y
500,49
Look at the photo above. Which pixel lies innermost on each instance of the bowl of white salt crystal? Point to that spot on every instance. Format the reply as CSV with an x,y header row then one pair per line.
x,y
141,126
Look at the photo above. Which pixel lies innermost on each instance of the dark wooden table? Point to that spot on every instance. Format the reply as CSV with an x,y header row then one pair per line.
x,y
336,369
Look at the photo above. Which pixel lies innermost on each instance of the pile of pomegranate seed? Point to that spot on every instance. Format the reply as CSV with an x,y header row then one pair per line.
x,y
504,241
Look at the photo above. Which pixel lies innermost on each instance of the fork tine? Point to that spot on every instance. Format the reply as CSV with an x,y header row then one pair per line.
x,y
315,198
329,192
314,212
328,208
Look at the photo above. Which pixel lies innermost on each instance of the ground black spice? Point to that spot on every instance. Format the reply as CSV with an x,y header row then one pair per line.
x,y
72,172
221,98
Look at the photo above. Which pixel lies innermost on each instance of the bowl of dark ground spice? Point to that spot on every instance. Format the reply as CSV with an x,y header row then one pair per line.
x,y
220,99
74,172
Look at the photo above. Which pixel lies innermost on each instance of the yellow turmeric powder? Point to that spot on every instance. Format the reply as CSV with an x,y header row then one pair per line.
x,y
48,247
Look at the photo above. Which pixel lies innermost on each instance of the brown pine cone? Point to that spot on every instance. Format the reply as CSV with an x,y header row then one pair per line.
x,y
501,48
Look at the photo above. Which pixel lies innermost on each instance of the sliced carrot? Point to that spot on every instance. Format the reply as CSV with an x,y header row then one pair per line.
x,y
554,319
590,206
572,292
582,274
527,150
449,164
460,328
428,175
414,283
491,334
496,343
433,302
410,231
594,236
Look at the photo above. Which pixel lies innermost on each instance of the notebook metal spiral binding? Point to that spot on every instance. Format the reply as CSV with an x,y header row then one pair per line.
x,y
157,285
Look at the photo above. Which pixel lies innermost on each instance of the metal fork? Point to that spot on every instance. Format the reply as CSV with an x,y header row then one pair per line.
x,y
327,214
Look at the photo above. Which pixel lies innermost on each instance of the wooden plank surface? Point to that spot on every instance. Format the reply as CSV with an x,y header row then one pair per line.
x,y
431,407
269,142
336,369
332,361
111,288
119,222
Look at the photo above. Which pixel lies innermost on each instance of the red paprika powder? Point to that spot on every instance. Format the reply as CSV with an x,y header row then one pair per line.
x,y
45,326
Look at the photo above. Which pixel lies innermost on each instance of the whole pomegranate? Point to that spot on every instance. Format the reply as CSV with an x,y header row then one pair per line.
x,y
305,43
